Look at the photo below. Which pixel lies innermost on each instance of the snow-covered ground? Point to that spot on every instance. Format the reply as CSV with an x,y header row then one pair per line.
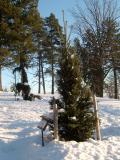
x,y
20,138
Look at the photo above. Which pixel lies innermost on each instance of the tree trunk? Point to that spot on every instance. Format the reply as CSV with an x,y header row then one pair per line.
x,y
39,74
115,83
52,92
43,79
98,83
99,89
1,79
24,78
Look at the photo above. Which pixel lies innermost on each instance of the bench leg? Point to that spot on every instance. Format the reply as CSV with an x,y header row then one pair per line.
x,y
42,137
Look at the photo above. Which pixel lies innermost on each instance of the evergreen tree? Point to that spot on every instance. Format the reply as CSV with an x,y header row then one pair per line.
x,y
26,44
18,21
41,38
7,12
53,40
29,22
77,122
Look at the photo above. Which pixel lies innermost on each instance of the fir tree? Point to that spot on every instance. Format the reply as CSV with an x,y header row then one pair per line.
x,y
77,121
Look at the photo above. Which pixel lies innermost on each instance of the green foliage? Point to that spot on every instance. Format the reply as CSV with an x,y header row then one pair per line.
x,y
77,122
19,23
53,33
55,101
52,44
69,83
19,20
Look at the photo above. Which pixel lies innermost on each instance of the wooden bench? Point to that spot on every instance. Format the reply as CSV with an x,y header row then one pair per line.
x,y
51,121
46,121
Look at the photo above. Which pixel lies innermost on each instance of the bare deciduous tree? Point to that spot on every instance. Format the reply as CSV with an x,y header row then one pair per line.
x,y
96,26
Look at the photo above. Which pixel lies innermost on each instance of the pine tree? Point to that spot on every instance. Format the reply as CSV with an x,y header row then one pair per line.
x,y
54,32
7,12
18,21
77,121
41,39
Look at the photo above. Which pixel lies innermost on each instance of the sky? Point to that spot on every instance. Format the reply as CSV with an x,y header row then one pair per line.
x,y
45,7
56,6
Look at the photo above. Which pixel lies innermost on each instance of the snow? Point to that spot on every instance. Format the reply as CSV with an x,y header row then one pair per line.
x,y
72,56
20,139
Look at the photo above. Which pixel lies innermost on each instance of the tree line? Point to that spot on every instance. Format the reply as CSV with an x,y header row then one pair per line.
x,y
99,50
29,40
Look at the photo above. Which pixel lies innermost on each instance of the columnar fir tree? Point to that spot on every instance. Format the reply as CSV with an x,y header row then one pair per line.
x,y
77,121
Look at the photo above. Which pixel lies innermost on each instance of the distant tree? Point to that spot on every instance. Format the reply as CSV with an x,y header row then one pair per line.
x,y
91,26
41,72
41,38
40,62
112,41
53,41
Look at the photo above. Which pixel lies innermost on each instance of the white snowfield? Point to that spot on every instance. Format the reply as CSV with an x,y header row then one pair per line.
x,y
20,139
